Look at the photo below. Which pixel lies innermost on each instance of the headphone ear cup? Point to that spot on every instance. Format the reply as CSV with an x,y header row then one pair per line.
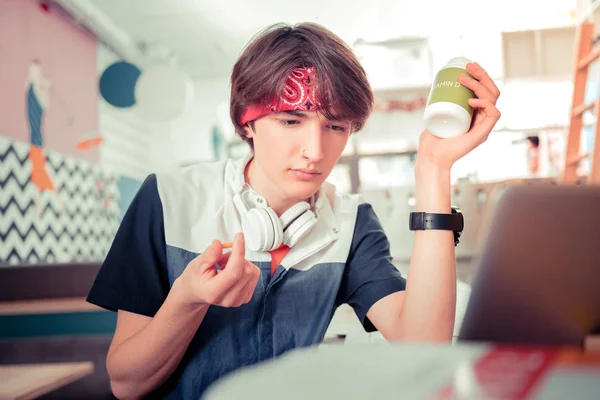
x,y
299,228
262,230
274,228
253,233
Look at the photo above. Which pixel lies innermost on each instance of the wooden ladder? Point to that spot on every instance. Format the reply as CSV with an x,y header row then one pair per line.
x,y
586,54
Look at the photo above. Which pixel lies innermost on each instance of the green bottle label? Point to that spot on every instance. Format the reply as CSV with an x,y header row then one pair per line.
x,y
446,87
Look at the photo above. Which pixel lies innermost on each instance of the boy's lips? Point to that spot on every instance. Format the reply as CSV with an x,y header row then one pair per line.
x,y
305,174
306,171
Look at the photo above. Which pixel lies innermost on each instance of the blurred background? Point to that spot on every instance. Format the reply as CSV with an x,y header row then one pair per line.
x,y
97,94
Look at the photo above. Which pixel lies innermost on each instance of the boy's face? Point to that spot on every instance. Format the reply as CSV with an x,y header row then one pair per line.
x,y
295,151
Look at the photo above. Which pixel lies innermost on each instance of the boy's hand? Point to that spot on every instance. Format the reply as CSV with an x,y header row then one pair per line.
x,y
201,283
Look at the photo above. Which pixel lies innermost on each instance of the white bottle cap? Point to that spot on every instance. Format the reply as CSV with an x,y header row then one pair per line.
x,y
457,62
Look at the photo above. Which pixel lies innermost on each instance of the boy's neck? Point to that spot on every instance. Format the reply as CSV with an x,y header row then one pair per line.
x,y
259,182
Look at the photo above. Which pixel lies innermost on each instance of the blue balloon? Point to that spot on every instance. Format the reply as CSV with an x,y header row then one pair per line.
x,y
117,84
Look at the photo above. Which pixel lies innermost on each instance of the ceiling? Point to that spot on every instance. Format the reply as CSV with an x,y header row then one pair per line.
x,y
206,36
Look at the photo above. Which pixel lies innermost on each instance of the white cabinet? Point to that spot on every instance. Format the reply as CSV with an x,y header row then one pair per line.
x,y
545,54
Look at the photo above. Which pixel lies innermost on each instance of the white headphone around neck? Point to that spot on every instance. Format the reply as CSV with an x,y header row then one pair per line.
x,y
265,231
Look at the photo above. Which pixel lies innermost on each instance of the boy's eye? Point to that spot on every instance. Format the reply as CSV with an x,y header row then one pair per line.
x,y
337,128
289,121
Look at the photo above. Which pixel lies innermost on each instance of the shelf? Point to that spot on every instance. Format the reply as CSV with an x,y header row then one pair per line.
x,y
47,306
422,87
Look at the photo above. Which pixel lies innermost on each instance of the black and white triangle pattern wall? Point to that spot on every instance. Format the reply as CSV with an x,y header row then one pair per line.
x,y
76,223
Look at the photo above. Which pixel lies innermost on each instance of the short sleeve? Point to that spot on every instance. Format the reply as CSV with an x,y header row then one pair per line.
x,y
369,274
133,276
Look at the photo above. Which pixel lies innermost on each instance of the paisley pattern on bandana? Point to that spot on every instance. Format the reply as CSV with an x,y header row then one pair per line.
x,y
299,93
299,90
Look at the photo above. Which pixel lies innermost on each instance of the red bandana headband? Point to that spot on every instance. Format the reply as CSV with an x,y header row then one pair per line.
x,y
298,93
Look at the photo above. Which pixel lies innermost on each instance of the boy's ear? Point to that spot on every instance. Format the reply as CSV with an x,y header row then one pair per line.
x,y
249,130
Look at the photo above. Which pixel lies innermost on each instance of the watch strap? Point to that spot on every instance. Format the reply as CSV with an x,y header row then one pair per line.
x,y
448,222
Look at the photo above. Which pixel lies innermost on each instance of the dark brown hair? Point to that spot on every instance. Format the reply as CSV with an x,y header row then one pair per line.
x,y
260,72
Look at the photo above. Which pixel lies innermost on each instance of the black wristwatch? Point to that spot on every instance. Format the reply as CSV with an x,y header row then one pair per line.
x,y
447,222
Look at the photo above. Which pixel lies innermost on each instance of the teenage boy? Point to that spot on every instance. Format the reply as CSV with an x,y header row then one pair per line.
x,y
188,313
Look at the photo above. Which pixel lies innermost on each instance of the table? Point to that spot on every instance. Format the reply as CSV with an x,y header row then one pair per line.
x,y
28,381
417,371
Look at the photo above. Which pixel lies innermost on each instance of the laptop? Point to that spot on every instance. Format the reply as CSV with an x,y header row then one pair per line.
x,y
538,275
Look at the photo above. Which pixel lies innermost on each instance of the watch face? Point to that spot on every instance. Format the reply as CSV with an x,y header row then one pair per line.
x,y
457,211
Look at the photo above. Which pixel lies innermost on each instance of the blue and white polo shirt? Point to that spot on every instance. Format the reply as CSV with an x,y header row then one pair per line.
x,y
344,259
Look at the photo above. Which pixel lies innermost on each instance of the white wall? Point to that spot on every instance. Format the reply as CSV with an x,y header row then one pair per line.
x,y
136,146
189,138
127,135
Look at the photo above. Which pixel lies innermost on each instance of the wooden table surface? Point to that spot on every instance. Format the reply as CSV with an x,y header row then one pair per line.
x,y
28,381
